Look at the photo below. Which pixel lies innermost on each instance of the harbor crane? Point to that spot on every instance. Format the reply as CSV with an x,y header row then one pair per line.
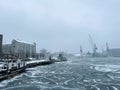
x,y
94,47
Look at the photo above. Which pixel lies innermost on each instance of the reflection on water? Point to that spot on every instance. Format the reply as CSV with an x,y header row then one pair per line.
x,y
75,74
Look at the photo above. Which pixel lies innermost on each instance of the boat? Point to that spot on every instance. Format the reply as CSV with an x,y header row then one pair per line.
x,y
61,57
10,68
58,58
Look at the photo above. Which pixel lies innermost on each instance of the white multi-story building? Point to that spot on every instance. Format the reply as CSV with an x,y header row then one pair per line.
x,y
21,49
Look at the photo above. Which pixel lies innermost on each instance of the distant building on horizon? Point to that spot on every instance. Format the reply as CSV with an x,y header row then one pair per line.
x,y
1,39
20,49
115,52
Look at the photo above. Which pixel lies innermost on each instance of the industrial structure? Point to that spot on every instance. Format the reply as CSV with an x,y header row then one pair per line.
x,y
94,47
1,38
20,49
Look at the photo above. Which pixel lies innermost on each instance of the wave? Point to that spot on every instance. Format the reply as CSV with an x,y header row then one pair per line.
x,y
106,68
7,81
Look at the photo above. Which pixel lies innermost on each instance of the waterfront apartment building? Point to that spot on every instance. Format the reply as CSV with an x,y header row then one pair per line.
x,y
20,49
1,38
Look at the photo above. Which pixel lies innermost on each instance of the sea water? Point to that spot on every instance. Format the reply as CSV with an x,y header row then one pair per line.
x,y
74,74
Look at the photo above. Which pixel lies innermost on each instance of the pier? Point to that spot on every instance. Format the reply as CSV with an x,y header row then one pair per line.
x,y
38,63
12,67
6,72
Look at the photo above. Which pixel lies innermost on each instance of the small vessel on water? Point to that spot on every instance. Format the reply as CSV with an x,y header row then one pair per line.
x,y
59,58
10,68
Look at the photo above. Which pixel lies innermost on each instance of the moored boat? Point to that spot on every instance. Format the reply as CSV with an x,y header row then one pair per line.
x,y
59,58
10,68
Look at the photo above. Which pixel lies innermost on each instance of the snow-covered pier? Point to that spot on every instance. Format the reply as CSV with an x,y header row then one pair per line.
x,y
37,63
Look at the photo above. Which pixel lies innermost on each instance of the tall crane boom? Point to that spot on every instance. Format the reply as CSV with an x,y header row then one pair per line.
x,y
94,47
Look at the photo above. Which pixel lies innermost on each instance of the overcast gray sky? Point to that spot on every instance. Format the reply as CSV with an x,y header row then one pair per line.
x,y
61,24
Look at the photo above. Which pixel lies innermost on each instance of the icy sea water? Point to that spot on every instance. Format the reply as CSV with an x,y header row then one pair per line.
x,y
74,74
